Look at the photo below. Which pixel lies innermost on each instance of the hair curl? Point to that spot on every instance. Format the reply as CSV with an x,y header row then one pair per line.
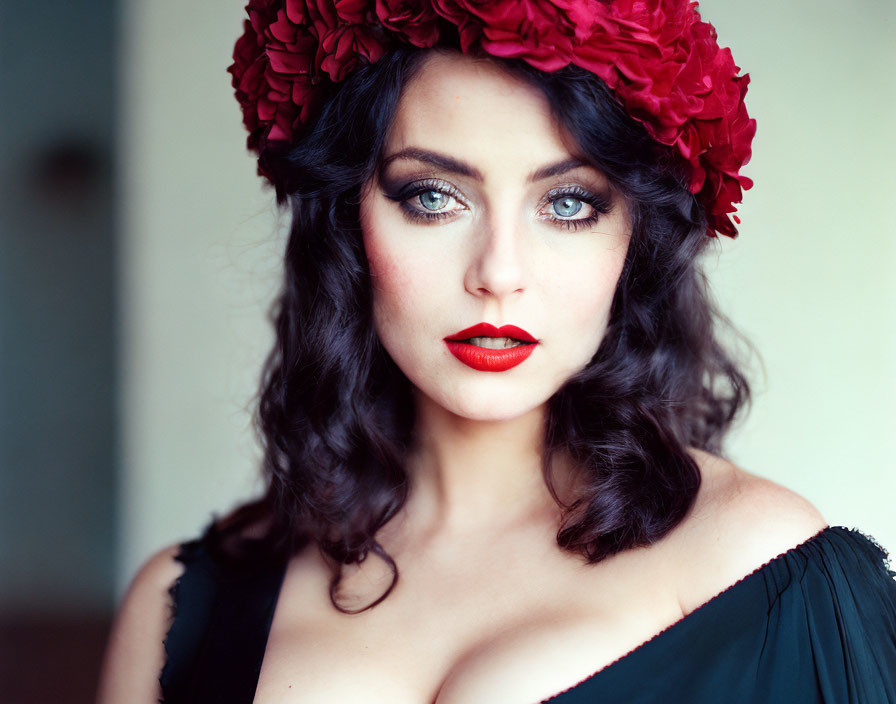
x,y
335,414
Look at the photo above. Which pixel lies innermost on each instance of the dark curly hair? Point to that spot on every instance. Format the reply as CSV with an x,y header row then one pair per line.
x,y
335,414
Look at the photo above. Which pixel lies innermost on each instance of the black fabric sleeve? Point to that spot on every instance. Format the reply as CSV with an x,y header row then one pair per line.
x,y
221,619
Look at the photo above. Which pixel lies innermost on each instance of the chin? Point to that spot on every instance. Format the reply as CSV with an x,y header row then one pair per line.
x,y
487,409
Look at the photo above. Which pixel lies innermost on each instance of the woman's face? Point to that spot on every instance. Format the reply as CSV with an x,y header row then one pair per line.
x,y
472,222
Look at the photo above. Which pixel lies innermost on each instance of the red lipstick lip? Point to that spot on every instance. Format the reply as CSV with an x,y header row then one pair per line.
x,y
489,360
488,330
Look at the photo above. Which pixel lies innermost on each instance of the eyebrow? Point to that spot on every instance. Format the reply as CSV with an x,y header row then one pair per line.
x,y
447,163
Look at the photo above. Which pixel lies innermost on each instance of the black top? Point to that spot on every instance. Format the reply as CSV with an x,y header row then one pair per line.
x,y
815,624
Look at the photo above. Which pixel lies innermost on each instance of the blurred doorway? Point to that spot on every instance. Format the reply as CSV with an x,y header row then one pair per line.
x,y
58,434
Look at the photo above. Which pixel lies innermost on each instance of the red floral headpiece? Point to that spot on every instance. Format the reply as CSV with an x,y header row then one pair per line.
x,y
660,59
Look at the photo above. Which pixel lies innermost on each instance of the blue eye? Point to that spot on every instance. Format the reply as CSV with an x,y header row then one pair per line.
x,y
568,200
568,204
432,194
433,200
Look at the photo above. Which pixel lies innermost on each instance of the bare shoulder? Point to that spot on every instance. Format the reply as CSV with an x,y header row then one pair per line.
x,y
739,522
135,653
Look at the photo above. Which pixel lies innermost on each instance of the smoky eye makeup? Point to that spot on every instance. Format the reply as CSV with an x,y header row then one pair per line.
x,y
426,200
408,196
601,203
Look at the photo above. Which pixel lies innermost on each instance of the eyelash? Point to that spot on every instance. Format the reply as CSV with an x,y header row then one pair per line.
x,y
599,202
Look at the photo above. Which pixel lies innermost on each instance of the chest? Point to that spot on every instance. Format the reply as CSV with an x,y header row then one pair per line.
x,y
510,633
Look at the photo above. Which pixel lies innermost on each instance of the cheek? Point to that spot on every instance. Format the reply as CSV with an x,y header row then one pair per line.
x,y
398,280
587,295
385,273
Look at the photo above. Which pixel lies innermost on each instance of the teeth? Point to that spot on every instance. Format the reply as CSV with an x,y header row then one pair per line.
x,y
494,343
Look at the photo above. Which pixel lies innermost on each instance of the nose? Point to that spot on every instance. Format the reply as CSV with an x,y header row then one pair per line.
x,y
498,264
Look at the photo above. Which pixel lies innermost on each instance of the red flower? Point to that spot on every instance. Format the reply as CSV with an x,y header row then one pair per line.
x,y
661,60
667,68
415,21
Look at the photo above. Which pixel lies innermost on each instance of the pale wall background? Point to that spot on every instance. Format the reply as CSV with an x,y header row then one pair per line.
x,y
809,280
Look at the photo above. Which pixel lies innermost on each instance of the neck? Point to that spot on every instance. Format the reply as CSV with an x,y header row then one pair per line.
x,y
468,475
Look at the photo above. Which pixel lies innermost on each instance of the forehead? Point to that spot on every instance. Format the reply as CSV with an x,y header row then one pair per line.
x,y
468,106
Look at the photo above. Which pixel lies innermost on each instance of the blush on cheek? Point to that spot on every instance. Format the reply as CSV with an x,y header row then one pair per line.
x,y
387,272
397,272
381,265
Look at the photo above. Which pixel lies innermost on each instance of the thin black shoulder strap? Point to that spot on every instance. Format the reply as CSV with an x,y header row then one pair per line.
x,y
222,617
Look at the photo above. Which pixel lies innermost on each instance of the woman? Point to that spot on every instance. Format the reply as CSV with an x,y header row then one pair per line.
x,y
497,375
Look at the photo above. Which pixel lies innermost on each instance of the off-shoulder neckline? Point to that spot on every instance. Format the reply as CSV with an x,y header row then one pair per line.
x,y
695,614
703,608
